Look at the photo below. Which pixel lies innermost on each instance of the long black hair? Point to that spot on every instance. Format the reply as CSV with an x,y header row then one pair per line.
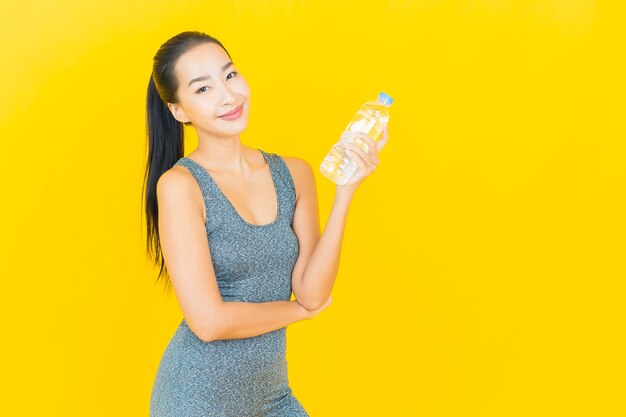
x,y
165,134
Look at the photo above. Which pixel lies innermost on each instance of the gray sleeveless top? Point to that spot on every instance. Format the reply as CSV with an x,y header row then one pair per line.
x,y
244,377
252,263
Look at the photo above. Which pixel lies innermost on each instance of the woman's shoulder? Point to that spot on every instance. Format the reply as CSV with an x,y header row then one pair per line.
x,y
179,172
295,164
301,172
176,177
178,186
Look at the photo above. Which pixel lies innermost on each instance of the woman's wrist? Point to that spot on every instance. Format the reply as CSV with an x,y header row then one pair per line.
x,y
345,193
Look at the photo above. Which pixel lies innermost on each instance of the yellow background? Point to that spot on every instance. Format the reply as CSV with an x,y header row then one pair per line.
x,y
483,263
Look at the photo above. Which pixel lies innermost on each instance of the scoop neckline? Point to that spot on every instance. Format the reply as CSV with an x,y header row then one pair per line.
x,y
234,210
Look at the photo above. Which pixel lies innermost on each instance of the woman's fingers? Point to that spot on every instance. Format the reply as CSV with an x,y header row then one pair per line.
x,y
372,150
383,140
362,168
367,161
361,158
363,150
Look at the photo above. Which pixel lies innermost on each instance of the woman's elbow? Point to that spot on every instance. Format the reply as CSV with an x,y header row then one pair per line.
x,y
309,304
205,330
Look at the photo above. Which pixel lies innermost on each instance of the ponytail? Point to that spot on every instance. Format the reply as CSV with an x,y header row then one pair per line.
x,y
165,139
165,147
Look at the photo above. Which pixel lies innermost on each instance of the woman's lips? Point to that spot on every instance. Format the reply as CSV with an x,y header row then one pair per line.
x,y
234,114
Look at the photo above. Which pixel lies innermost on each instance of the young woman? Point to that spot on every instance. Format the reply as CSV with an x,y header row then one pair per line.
x,y
235,229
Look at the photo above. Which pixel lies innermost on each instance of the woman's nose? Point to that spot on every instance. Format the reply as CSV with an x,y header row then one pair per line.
x,y
227,95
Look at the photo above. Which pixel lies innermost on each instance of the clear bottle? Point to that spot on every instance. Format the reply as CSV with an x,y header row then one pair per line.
x,y
337,166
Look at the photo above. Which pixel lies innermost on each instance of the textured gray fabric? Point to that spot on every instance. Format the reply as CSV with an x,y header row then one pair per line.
x,y
253,263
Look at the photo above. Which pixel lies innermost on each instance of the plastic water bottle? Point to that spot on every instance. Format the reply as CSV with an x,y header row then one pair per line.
x,y
338,166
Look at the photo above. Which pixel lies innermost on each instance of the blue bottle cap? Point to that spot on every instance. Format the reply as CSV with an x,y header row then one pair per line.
x,y
385,99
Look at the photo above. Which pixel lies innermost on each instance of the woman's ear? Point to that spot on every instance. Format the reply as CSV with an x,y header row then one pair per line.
x,y
178,113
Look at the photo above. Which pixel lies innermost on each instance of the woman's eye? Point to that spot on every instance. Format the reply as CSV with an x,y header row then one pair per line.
x,y
200,90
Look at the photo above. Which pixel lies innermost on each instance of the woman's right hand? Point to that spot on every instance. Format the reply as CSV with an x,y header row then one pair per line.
x,y
309,314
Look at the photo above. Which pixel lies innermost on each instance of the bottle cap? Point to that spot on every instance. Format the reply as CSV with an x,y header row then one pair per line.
x,y
385,99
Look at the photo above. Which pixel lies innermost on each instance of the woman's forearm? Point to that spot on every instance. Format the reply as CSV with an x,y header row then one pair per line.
x,y
238,320
321,271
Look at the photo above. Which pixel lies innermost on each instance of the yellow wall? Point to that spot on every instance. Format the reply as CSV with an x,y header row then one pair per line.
x,y
483,263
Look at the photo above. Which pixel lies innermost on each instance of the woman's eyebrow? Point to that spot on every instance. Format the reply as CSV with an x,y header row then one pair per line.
x,y
206,77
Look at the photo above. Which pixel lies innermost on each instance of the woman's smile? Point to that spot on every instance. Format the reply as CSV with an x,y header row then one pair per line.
x,y
234,114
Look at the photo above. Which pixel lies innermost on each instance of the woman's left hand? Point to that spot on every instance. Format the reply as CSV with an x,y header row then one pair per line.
x,y
366,162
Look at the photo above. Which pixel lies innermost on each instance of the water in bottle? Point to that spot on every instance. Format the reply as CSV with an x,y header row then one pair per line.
x,y
338,166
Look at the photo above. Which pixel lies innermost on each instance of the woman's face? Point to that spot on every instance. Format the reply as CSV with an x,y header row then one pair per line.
x,y
209,87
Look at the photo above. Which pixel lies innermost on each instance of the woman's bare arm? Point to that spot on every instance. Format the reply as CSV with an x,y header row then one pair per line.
x,y
316,269
250,319
317,265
